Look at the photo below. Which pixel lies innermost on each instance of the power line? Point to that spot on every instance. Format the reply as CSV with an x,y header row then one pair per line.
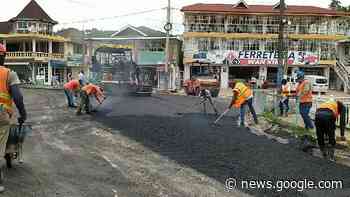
x,y
112,17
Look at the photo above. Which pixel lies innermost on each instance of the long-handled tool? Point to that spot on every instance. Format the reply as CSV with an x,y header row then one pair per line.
x,y
95,109
222,115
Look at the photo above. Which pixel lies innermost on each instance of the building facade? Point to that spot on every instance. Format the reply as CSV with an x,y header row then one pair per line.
x,y
75,54
33,50
241,41
147,48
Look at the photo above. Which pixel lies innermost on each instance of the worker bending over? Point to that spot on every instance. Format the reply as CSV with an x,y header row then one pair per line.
x,y
325,119
242,96
70,89
89,90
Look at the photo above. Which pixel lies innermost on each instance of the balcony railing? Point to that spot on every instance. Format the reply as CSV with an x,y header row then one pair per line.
x,y
263,28
34,55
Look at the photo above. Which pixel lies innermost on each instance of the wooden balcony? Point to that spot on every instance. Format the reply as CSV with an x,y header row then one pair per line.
x,y
35,55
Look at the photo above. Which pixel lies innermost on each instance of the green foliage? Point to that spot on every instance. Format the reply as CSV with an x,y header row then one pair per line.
x,y
336,4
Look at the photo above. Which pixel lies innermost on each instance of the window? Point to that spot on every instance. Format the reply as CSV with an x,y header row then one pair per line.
x,y
154,45
215,44
232,45
271,45
251,45
203,45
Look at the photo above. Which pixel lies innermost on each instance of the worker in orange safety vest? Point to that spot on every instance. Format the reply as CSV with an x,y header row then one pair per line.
x,y
9,93
87,91
325,120
284,102
243,96
304,96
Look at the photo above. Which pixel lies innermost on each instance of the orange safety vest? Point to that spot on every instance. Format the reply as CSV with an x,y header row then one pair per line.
x,y
285,91
243,93
5,97
332,105
90,89
306,97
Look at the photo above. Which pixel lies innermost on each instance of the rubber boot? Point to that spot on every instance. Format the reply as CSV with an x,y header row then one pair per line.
x,y
331,155
324,153
2,187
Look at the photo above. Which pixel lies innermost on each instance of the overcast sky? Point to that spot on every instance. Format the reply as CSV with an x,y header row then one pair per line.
x,y
68,11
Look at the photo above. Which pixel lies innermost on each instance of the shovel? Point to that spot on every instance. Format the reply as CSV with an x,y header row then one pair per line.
x,y
95,110
222,115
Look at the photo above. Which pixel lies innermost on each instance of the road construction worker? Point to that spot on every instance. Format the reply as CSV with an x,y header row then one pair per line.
x,y
325,120
304,96
70,89
284,102
9,93
206,96
86,91
242,96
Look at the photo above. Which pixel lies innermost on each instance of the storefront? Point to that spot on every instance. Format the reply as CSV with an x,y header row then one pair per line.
x,y
243,65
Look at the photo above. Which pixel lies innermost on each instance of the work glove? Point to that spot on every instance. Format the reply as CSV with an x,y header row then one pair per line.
x,y
21,120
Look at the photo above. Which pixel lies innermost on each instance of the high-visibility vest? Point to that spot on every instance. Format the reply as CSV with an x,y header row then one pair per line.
x,y
307,96
243,93
91,89
5,97
285,90
332,105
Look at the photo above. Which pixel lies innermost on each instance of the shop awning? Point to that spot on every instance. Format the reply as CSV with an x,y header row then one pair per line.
x,y
57,64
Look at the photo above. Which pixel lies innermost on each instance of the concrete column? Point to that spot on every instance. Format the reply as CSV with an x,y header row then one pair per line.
x,y
264,25
297,29
263,72
224,77
187,72
33,45
23,46
33,72
326,72
50,46
65,73
49,71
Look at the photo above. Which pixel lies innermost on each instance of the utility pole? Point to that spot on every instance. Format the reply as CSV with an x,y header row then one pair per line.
x,y
281,46
167,28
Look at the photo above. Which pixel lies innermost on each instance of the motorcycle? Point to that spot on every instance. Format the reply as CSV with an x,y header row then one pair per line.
x,y
15,141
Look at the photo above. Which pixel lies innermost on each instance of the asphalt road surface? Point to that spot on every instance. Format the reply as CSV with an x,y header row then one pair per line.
x,y
154,146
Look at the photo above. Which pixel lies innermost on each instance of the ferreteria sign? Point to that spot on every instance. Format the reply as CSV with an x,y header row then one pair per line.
x,y
254,57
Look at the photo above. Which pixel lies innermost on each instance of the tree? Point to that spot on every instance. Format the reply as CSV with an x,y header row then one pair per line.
x,y
336,4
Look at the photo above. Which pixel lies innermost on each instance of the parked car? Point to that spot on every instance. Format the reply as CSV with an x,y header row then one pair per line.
x,y
318,83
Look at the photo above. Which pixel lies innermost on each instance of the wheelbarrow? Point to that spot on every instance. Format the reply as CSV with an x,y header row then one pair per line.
x,y
15,141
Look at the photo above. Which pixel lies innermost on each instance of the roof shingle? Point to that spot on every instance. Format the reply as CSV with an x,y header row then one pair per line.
x,y
261,9
34,11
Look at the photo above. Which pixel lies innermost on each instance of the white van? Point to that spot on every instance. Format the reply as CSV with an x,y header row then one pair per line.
x,y
318,83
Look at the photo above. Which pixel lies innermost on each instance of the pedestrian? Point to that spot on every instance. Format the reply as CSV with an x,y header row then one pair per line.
x,y
325,120
304,96
89,90
69,76
243,96
284,102
82,78
9,93
70,89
